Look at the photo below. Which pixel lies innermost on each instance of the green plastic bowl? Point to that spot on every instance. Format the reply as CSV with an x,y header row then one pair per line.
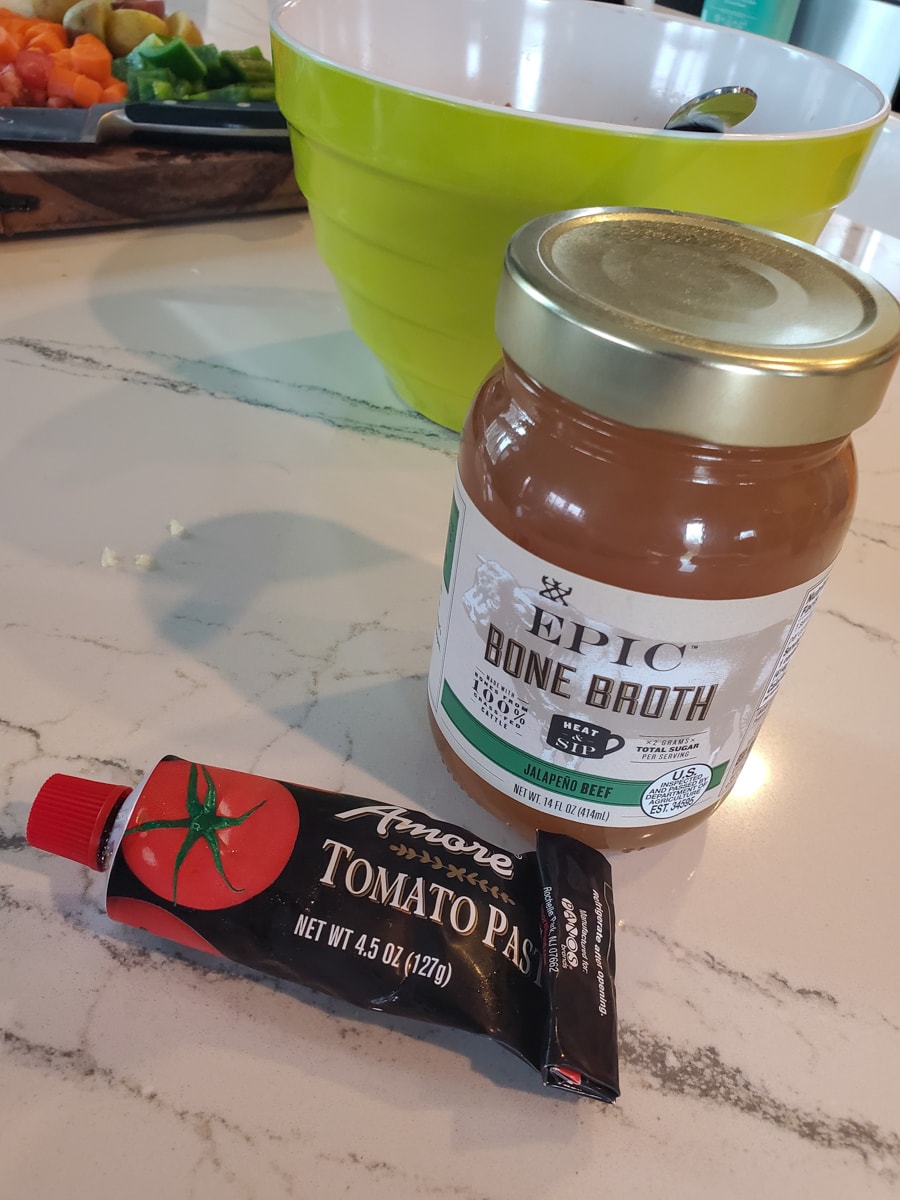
x,y
425,132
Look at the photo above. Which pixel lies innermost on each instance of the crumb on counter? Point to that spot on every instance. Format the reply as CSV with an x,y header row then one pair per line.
x,y
175,528
109,558
144,561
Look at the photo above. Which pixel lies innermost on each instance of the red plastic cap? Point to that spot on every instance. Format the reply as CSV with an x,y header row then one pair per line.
x,y
69,816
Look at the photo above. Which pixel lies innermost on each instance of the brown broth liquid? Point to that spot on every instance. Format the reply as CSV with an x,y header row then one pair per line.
x,y
772,519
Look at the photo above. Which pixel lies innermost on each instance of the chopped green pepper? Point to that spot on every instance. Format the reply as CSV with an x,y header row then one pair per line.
x,y
249,53
136,57
143,85
248,66
174,55
167,68
217,75
185,89
236,93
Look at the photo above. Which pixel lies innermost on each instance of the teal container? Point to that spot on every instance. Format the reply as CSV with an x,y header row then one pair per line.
x,y
772,18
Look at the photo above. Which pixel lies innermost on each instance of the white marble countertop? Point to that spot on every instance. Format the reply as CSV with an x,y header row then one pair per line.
x,y
208,374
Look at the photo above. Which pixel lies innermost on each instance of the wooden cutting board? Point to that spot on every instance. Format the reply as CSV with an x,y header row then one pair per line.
x,y
98,187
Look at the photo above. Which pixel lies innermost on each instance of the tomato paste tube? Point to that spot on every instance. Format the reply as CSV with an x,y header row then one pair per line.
x,y
376,904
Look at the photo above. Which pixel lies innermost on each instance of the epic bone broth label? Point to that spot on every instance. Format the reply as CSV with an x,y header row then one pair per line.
x,y
598,704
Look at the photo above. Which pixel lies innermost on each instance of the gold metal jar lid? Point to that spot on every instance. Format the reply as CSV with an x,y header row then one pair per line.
x,y
697,326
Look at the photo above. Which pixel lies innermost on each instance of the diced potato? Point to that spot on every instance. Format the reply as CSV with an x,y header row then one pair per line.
x,y
88,16
179,24
127,28
51,10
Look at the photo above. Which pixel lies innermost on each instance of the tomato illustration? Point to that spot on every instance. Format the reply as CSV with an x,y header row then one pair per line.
x,y
207,837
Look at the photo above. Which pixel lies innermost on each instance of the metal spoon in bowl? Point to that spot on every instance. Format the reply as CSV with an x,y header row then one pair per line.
x,y
714,111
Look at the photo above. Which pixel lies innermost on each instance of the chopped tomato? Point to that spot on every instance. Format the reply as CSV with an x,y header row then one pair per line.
x,y
10,83
33,67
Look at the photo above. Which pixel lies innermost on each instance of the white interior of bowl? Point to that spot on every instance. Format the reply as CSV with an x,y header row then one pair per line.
x,y
579,61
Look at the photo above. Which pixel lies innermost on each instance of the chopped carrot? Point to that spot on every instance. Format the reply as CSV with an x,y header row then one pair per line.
x,y
14,22
46,39
41,35
83,92
63,58
9,46
92,58
34,28
117,90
